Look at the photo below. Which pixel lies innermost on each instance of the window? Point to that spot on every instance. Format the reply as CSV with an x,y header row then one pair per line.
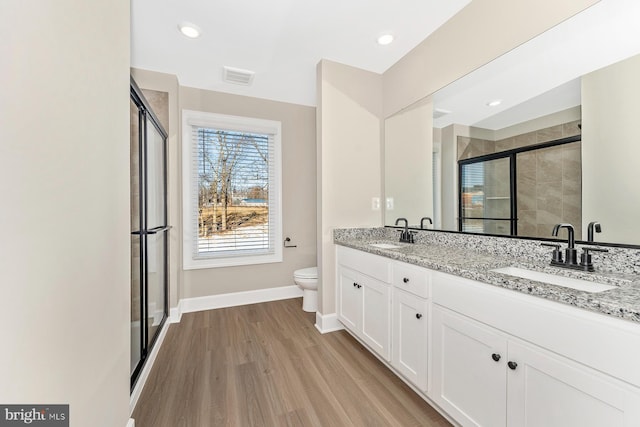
x,y
485,189
231,190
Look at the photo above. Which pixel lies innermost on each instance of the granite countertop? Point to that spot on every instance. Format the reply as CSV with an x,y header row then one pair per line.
x,y
623,301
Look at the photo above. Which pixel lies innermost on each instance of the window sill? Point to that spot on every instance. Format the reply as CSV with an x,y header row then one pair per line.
x,y
190,263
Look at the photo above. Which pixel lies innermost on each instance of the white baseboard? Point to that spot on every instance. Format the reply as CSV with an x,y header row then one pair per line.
x,y
175,314
131,423
328,322
144,374
211,302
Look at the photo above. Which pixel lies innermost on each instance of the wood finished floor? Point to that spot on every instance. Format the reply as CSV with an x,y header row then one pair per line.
x,y
267,365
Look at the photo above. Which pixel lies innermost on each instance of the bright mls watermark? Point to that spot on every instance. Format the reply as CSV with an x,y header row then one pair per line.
x,y
34,415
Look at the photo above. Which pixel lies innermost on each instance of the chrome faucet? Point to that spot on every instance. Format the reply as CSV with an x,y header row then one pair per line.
x,y
422,222
406,236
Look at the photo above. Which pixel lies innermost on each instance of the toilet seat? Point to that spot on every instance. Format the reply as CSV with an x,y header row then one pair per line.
x,y
306,273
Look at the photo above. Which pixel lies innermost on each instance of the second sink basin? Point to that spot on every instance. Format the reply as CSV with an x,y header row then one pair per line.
x,y
567,282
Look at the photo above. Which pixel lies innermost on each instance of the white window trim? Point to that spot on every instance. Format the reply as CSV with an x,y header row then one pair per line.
x,y
220,121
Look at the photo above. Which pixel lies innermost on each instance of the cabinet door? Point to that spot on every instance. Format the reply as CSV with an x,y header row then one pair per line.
x,y
410,340
350,300
548,390
376,313
468,383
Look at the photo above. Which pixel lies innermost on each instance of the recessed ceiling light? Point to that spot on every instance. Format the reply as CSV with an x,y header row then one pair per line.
x,y
190,30
494,103
385,39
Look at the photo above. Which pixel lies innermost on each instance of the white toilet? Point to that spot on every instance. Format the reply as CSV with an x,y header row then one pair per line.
x,y
307,279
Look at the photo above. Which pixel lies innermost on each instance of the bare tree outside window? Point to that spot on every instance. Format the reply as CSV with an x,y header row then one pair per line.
x,y
233,190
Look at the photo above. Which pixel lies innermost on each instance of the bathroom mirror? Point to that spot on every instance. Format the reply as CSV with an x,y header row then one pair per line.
x,y
581,72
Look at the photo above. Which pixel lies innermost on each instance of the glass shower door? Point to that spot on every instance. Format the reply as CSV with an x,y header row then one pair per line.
x,y
149,230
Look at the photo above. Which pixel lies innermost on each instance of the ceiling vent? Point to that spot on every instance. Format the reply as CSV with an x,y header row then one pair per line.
x,y
237,76
439,112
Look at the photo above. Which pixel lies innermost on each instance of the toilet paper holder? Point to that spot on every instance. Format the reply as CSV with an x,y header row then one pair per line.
x,y
287,245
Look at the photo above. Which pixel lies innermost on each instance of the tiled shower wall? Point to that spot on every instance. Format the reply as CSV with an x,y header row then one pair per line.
x,y
549,188
549,181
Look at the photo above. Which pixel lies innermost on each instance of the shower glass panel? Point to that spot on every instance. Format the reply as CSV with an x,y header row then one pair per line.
x,y
136,312
156,197
486,199
156,279
136,294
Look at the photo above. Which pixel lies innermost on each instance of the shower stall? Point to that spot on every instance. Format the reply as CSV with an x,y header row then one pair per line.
x,y
149,229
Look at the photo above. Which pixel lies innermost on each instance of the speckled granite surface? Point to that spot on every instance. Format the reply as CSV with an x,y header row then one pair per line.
x,y
473,257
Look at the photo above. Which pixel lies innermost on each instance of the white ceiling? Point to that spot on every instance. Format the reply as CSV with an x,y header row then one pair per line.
x,y
281,40
542,76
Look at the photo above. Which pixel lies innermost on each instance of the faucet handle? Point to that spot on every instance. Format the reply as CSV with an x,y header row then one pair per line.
x,y
585,258
556,256
586,250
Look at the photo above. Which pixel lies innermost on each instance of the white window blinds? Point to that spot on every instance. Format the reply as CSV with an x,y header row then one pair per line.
x,y
233,214
234,188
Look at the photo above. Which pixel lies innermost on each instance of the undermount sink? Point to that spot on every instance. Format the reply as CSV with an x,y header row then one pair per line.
x,y
567,282
384,246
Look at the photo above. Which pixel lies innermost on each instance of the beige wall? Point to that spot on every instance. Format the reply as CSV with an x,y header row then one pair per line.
x,y
479,33
64,168
298,193
349,160
168,83
610,112
408,146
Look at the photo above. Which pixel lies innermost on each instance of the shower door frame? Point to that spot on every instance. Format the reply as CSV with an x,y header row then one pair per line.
x,y
146,115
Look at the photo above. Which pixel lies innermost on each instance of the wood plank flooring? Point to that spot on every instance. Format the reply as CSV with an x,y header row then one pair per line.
x,y
267,365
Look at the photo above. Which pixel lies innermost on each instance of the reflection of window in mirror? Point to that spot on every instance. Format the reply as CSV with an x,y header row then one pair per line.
x,y
522,191
486,205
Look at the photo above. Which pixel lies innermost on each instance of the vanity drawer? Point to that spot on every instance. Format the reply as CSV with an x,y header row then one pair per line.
x,y
372,265
411,278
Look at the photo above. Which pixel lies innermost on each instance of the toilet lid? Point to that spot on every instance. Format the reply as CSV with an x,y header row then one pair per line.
x,y
307,273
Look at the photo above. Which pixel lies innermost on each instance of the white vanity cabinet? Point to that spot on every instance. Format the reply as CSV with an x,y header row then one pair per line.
x,y
410,323
364,298
482,376
489,356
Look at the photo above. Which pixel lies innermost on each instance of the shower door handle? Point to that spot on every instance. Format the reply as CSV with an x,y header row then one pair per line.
x,y
159,229
155,230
